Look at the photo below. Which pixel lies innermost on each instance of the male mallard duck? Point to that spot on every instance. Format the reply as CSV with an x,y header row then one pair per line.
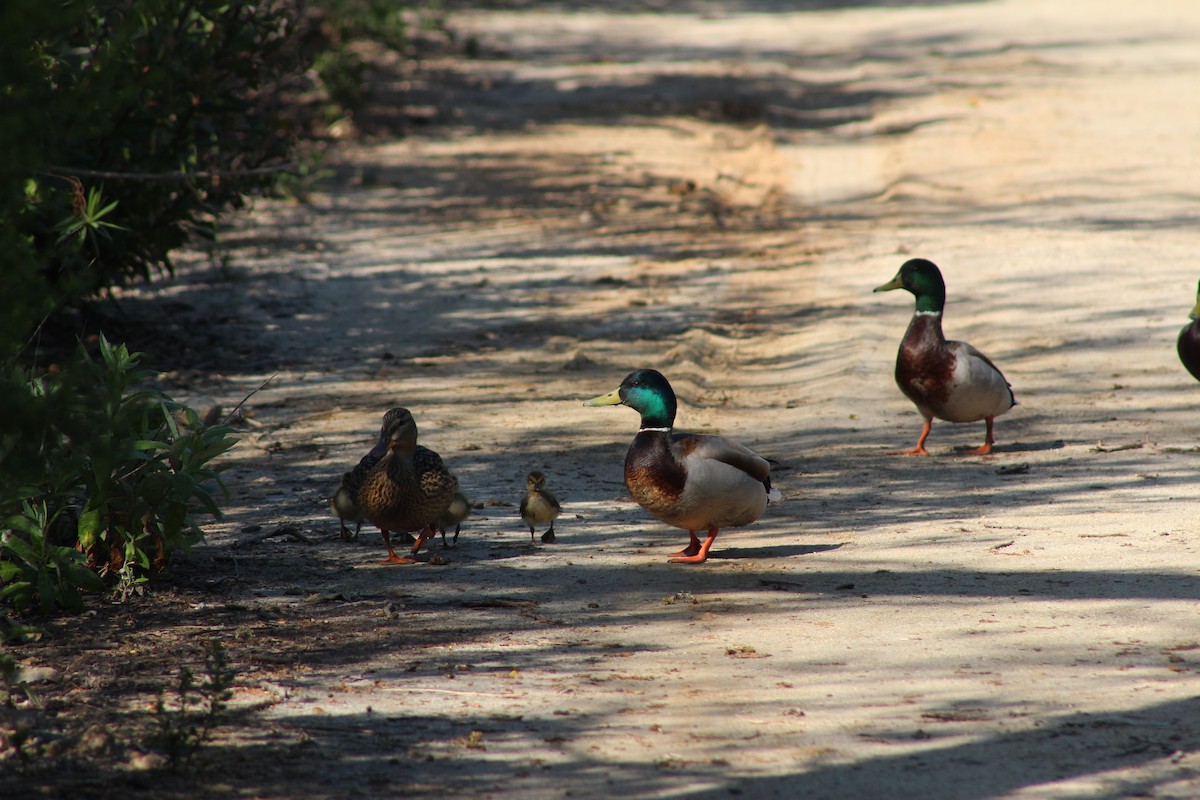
x,y
539,506
945,379
343,502
407,489
688,480
458,510
1189,342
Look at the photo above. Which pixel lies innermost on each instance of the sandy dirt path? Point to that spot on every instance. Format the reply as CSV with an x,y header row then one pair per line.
x,y
714,195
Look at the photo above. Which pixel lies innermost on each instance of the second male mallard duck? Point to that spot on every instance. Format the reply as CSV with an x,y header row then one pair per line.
x,y
539,505
408,489
1188,344
697,482
945,379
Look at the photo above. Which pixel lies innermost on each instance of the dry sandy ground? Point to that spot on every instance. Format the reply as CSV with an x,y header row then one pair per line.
x,y
714,192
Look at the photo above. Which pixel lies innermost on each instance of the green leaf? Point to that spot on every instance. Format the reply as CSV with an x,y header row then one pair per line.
x,y
174,517
89,527
183,486
24,523
106,352
23,551
46,592
84,578
14,587
170,418
209,504
19,594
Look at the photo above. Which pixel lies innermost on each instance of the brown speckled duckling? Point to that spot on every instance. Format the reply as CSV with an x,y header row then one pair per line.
x,y
539,506
344,502
408,488
1188,344
458,510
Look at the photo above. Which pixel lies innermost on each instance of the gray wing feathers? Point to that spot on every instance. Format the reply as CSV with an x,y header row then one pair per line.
x,y
733,453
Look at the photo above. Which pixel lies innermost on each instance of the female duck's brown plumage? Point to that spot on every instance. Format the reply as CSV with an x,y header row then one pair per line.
x,y
407,489
1189,342
345,500
691,481
944,379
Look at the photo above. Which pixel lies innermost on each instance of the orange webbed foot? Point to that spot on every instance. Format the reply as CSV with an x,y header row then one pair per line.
x,y
919,450
699,554
392,557
692,549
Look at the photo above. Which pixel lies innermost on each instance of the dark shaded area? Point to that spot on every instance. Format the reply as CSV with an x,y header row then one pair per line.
x,y
220,594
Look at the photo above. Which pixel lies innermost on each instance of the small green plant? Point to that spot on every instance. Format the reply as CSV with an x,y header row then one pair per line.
x,y
35,571
86,224
100,478
187,721
148,470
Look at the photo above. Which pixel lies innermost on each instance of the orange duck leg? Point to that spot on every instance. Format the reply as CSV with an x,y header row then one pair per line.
x,y
695,552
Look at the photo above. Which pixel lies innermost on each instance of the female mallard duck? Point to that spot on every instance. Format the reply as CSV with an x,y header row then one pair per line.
x,y
1189,342
458,510
691,481
407,489
344,502
945,379
539,506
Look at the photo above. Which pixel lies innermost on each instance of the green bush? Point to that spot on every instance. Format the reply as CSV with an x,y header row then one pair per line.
x,y
101,477
129,126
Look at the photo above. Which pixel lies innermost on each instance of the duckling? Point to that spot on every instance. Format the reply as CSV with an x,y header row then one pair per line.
x,y
687,480
344,507
945,379
343,502
1188,344
408,489
458,510
539,506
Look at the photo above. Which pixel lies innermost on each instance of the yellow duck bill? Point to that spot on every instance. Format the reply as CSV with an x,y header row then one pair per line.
x,y
894,283
612,398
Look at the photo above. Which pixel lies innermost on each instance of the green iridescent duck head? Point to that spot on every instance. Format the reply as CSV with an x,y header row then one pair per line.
x,y
924,280
647,392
